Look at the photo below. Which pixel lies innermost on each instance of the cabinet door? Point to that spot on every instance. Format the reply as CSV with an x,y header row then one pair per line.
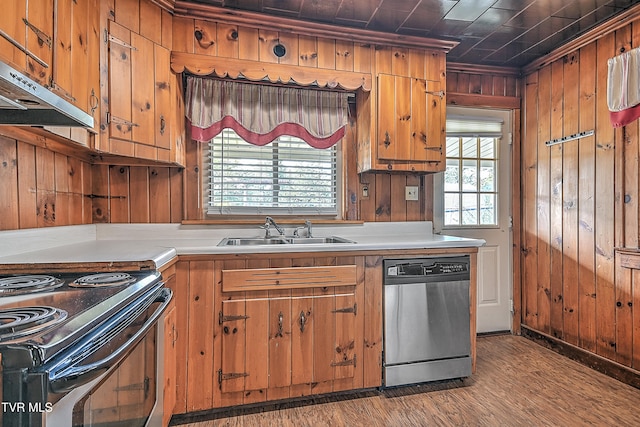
x,y
39,39
234,332
428,125
13,32
163,113
120,53
394,117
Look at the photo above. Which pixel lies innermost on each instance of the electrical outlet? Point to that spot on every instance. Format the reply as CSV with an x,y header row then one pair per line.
x,y
411,192
365,191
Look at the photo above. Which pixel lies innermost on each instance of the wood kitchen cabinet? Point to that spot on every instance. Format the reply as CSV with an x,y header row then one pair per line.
x,y
288,329
140,93
26,37
409,123
402,123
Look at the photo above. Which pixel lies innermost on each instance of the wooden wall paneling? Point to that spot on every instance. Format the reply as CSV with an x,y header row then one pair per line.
x,y
371,359
326,53
400,62
516,215
570,192
292,50
151,21
87,186
486,85
398,205
586,205
463,83
193,180
167,29
61,189
344,55
9,202
139,186
76,194
127,14
159,195
530,231
200,347
182,38
497,86
555,201
119,196
45,187
511,86
452,81
100,194
227,37
350,167
544,200
266,41
181,295
383,197
383,60
475,84
604,211
417,64
307,51
248,47
176,188
413,207
362,58
204,37
368,203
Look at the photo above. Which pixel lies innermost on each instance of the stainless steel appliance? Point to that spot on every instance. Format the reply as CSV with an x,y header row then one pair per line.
x,y
426,320
82,349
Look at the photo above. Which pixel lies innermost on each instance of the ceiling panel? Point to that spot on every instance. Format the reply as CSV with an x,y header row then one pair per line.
x,y
490,32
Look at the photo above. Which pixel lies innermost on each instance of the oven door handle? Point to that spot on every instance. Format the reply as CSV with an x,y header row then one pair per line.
x,y
75,376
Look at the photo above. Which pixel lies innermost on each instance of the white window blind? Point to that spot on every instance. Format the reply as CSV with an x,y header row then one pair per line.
x,y
286,176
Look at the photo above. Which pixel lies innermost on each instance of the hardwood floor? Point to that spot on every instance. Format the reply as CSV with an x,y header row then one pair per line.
x,y
518,383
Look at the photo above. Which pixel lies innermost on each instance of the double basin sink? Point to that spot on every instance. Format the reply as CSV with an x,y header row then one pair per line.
x,y
281,240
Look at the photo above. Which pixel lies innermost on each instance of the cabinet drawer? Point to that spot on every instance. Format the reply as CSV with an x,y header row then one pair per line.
x,y
287,278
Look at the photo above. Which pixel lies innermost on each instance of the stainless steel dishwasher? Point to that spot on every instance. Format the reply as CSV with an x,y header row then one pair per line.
x,y
426,320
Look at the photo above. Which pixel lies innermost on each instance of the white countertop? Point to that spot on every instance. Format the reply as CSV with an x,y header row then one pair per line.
x,y
159,243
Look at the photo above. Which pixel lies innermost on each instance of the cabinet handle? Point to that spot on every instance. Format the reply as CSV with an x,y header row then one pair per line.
x,y
387,139
353,310
280,321
42,37
303,320
93,101
163,124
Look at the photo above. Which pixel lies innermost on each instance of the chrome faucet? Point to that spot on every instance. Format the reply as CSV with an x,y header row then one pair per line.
x,y
307,225
269,222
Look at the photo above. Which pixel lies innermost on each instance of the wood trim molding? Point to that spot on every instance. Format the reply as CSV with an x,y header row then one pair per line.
x,y
204,65
296,26
615,23
593,361
477,100
485,70
168,5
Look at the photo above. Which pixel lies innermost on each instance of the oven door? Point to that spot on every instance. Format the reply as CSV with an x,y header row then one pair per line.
x,y
119,383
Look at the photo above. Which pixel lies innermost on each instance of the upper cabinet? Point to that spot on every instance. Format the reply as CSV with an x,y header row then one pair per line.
x,y
141,96
403,122
56,44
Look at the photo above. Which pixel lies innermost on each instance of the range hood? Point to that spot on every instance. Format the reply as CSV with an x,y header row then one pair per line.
x,y
24,102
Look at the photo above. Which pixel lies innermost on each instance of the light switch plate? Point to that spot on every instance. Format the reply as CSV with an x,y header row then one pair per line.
x,y
411,192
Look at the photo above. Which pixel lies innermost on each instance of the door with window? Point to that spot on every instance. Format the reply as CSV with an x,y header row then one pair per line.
x,y
472,198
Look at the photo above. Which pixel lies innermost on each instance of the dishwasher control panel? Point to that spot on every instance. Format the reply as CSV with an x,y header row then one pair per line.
x,y
425,267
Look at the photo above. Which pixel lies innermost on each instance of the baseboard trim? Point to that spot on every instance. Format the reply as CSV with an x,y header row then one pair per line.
x,y
608,367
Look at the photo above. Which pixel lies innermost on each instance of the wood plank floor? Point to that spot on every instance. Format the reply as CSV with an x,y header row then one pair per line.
x,y
518,383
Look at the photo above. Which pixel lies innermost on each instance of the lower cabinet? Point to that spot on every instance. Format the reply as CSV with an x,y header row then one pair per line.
x,y
287,331
257,328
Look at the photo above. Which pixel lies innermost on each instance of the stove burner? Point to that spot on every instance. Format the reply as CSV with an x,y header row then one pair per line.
x,y
103,279
15,285
22,321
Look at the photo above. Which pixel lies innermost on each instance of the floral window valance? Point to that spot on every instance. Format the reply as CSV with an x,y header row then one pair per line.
x,y
261,113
